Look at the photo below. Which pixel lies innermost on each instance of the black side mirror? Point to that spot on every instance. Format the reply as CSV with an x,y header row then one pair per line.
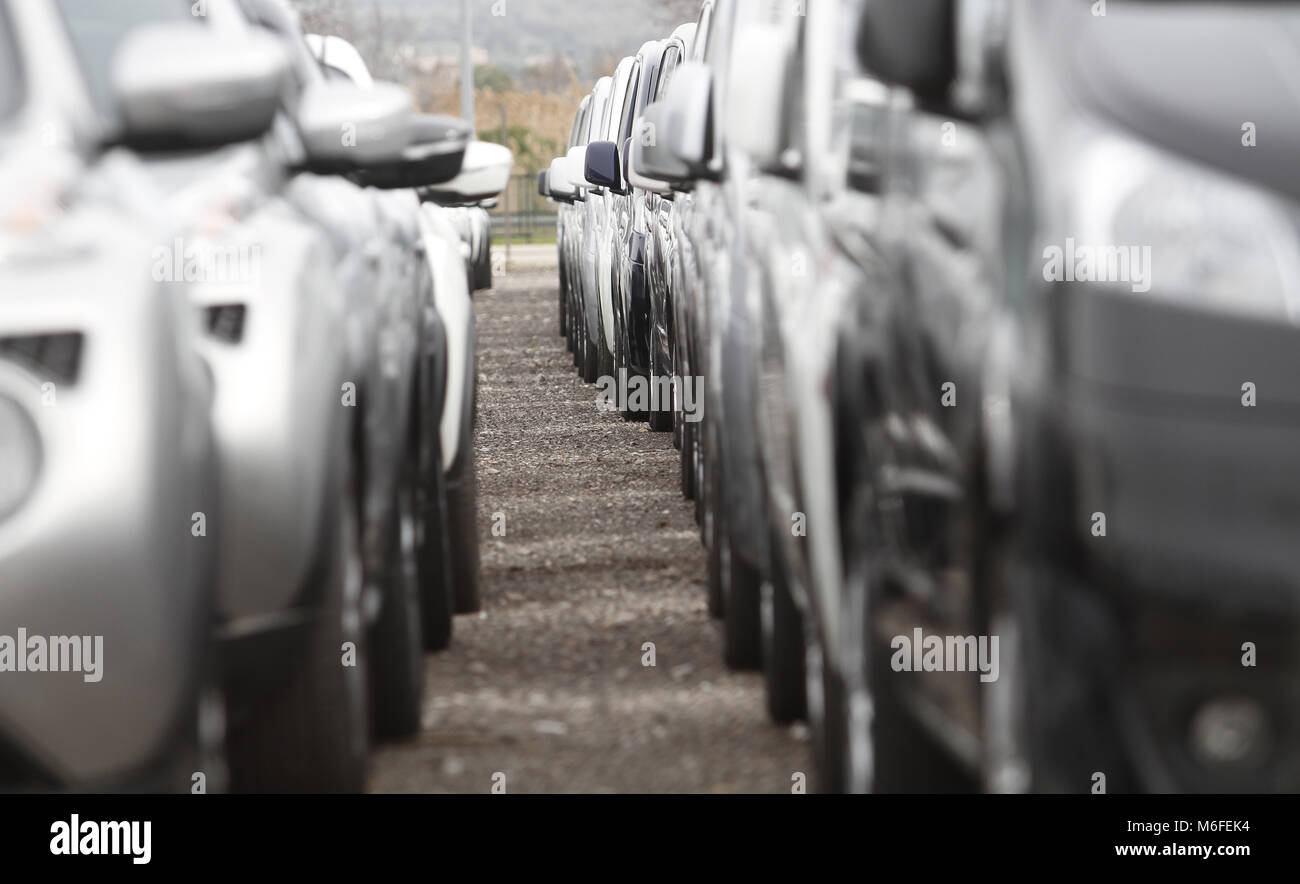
x,y
603,168
435,155
912,44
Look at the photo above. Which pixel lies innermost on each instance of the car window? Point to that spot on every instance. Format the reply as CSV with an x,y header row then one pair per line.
x,y
600,118
577,121
703,33
11,92
629,104
97,28
672,58
575,134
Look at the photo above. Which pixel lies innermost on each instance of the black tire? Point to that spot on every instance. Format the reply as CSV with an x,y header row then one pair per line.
x,y
686,461
437,593
564,305
590,360
661,418
828,720
483,268
605,363
699,437
311,734
783,649
574,323
674,370
397,641
462,511
734,586
712,531
742,614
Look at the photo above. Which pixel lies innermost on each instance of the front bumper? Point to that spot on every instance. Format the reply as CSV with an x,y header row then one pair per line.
x,y
1168,649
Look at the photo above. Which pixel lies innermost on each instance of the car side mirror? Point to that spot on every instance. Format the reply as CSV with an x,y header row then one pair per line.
x,y
602,166
913,45
557,179
543,183
576,167
182,86
689,122
436,153
652,165
345,127
759,103
483,175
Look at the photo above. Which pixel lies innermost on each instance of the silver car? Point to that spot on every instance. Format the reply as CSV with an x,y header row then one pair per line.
x,y
108,514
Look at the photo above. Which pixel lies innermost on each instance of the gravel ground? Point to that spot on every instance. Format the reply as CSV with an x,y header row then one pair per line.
x,y
600,556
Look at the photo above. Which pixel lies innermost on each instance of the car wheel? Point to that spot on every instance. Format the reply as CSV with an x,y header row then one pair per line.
x,y
741,588
437,589
883,746
483,268
604,358
397,642
312,733
686,461
826,718
711,534
783,649
564,305
590,360
661,417
462,511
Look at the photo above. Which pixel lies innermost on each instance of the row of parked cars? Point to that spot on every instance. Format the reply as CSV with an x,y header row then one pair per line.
x,y
237,392
991,310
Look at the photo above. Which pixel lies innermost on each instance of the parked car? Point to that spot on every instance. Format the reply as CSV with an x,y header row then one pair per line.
x,y
816,287
653,238
1059,502
109,517
485,172
598,356
723,354
628,301
569,194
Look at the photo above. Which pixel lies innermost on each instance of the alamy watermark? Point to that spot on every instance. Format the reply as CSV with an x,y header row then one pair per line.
x,y
200,262
945,653
1077,262
53,653
641,395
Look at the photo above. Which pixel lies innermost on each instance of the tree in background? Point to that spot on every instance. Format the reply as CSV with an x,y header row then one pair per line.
x,y
493,79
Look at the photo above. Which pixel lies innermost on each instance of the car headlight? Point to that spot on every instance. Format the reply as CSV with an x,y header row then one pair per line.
x,y
20,456
1187,233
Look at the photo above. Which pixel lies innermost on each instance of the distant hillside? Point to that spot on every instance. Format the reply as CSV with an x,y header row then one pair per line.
x,y
591,35
532,64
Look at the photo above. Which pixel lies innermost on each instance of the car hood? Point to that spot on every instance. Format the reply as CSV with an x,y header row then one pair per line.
x,y
1188,76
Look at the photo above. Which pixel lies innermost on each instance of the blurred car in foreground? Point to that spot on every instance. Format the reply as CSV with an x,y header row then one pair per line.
x,y
109,519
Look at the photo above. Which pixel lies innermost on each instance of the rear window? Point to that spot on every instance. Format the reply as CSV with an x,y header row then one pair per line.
x,y
98,27
11,93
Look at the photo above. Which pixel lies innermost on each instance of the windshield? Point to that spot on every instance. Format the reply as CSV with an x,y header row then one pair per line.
x,y
10,88
97,29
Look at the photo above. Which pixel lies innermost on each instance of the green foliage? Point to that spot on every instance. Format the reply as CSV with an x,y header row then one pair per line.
x,y
493,78
533,152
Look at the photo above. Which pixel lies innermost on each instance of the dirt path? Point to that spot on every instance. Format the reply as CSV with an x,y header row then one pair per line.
x,y
600,556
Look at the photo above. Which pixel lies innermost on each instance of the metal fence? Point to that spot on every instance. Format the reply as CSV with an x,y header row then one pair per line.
x,y
522,213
